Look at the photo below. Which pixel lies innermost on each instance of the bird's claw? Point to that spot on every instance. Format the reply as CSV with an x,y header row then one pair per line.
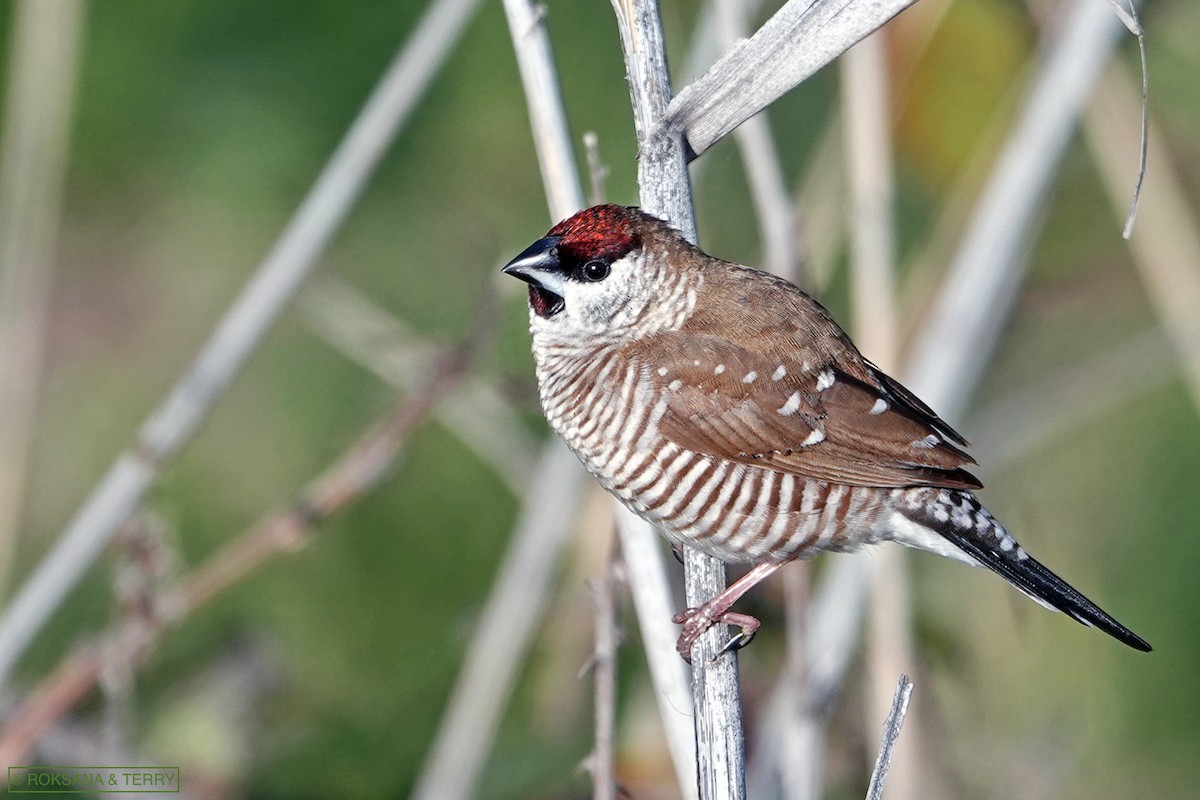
x,y
696,621
748,626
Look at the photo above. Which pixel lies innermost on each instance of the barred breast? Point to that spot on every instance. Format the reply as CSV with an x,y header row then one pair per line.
x,y
607,409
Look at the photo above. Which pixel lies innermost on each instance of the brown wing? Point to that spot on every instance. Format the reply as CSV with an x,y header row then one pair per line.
x,y
812,411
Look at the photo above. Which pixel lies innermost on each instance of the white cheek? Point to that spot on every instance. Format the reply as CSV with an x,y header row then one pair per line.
x,y
615,306
599,307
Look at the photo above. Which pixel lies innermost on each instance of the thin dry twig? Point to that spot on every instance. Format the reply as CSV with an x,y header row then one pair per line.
x,y
144,564
602,761
355,473
1167,250
515,606
1129,18
891,734
239,333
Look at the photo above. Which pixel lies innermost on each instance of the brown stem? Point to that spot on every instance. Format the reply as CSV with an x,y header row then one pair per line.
x,y
356,472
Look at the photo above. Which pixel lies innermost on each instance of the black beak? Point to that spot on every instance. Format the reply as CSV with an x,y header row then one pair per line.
x,y
539,257
538,265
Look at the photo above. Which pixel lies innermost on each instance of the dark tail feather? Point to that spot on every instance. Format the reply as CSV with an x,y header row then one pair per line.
x,y
1031,577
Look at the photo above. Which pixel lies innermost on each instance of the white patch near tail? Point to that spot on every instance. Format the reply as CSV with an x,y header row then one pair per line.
x,y
913,534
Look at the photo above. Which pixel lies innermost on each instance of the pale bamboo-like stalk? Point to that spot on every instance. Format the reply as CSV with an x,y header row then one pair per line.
x,y
504,631
833,626
760,161
665,191
795,753
465,734
514,608
551,134
646,573
264,298
867,149
800,38
1166,249
597,170
1035,417
867,130
822,192
40,99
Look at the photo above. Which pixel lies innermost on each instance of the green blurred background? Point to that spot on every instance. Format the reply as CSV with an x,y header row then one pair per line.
x,y
198,128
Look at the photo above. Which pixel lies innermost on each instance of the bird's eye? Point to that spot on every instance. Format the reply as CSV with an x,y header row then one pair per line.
x,y
595,270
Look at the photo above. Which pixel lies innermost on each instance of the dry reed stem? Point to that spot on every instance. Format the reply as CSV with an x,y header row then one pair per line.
x,y
40,100
601,763
868,131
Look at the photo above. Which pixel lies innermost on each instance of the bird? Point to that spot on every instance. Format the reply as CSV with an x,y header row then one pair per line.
x,y
726,407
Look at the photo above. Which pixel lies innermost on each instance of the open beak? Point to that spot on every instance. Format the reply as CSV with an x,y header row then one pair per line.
x,y
538,265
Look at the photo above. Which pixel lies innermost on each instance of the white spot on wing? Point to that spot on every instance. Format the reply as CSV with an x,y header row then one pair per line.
x,y
663,371
750,377
675,385
720,368
926,443
791,406
816,437
825,380
778,374
880,406
696,362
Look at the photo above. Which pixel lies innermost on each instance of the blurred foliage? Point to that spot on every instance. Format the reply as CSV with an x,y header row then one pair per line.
x,y
200,126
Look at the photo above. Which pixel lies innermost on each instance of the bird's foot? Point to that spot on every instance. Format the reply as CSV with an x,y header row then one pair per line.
x,y
696,621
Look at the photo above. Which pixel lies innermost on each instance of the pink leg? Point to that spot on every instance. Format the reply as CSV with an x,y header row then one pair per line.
x,y
696,621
